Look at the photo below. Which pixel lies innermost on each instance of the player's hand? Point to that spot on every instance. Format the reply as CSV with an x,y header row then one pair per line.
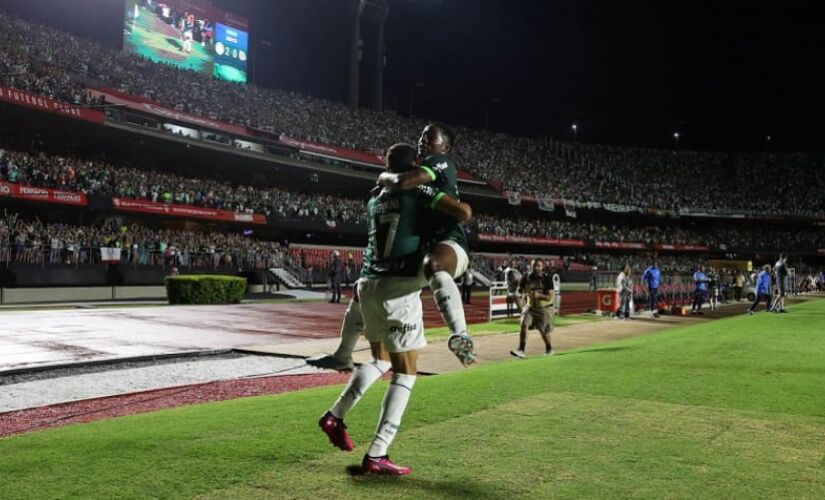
x,y
389,180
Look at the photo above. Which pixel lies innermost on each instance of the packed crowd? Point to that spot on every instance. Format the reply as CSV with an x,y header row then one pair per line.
x,y
103,178
97,176
669,264
752,238
494,265
37,242
53,63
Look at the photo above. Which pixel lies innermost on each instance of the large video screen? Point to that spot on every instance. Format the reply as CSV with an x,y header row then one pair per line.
x,y
190,35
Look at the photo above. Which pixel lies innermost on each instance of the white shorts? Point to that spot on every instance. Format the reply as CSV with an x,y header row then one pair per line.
x,y
392,311
462,260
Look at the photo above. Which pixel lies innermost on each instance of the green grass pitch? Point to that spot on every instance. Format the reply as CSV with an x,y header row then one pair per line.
x,y
733,408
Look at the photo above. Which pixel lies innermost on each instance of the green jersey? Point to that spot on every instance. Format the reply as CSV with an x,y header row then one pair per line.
x,y
713,280
395,221
444,182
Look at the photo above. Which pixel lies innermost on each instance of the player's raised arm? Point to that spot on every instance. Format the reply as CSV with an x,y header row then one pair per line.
x,y
407,180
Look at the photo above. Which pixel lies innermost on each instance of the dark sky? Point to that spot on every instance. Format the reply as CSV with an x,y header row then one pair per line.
x,y
724,74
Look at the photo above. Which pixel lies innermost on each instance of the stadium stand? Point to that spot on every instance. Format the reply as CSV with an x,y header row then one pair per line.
x,y
103,178
30,241
653,199
53,63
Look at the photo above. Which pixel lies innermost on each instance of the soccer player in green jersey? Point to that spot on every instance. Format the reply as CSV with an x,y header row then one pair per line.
x,y
390,303
446,257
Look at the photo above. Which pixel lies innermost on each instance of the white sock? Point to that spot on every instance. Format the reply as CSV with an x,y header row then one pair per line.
x,y
448,301
361,380
351,329
392,409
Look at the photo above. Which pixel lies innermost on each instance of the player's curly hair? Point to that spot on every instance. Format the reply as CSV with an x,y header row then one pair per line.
x,y
401,158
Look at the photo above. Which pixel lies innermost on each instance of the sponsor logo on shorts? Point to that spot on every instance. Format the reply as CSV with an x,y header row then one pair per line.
x,y
403,329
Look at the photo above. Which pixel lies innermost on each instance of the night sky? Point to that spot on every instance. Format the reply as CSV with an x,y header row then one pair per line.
x,y
628,72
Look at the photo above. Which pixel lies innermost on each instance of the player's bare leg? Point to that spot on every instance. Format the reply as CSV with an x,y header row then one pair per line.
x,y
440,267
377,461
332,422
548,347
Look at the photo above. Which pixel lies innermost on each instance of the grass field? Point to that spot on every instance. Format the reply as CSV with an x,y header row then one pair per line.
x,y
728,409
510,325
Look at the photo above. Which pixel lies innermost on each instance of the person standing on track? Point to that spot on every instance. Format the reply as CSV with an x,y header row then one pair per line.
x,y
625,284
738,285
780,269
651,279
335,272
700,281
467,282
713,284
512,278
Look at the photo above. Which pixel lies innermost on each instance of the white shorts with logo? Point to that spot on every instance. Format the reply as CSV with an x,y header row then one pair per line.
x,y
392,311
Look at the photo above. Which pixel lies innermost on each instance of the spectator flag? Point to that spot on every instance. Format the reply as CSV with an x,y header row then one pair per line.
x,y
513,197
332,224
570,209
109,255
546,204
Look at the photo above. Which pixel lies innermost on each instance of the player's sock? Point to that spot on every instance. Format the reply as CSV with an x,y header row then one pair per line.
x,y
522,341
392,409
351,329
448,300
361,380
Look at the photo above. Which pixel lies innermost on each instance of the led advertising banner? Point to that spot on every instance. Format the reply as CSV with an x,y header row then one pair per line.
x,y
188,34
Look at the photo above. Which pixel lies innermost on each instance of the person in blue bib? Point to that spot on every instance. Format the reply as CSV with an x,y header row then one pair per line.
x,y
651,278
763,289
700,280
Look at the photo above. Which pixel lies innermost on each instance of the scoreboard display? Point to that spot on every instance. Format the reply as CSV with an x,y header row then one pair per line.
x,y
188,34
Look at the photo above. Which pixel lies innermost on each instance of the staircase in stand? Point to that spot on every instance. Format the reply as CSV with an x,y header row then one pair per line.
x,y
286,278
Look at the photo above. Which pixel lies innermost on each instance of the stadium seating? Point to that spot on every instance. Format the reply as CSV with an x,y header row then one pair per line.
x,y
319,257
578,172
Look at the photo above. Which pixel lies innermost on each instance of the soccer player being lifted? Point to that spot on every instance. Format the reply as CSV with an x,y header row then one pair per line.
x,y
446,248
390,302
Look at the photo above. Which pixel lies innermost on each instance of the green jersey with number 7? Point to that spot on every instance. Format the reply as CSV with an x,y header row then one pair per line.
x,y
394,226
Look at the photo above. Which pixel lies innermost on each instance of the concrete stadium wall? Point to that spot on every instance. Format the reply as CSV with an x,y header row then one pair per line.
x,y
55,294
11,296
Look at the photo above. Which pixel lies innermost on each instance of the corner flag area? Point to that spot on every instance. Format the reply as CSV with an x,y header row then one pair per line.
x,y
727,408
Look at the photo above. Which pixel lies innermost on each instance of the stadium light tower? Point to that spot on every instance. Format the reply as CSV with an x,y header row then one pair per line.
x,y
575,129
378,11
676,138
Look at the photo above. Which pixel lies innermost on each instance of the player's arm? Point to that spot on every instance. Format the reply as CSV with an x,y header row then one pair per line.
x,y
408,180
522,288
458,210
